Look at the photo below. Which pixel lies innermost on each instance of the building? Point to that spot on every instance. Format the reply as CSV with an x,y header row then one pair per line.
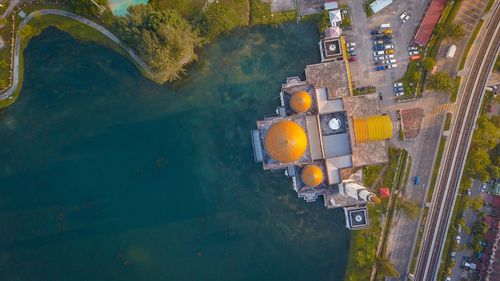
x,y
430,20
331,5
378,5
321,135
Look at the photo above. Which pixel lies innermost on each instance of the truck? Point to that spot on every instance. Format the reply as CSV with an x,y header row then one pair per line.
x,y
451,51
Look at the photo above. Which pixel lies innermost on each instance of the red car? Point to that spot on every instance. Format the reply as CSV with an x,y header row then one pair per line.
x,y
351,59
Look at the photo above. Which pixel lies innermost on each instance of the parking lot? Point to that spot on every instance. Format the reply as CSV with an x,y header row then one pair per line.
x,y
363,70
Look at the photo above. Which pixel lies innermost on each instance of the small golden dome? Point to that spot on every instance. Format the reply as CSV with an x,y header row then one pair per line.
x,y
312,175
301,102
285,141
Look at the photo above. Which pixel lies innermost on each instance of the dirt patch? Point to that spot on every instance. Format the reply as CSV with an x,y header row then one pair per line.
x,y
412,121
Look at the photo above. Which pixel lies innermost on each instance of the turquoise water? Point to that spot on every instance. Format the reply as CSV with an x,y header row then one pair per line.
x,y
107,176
119,7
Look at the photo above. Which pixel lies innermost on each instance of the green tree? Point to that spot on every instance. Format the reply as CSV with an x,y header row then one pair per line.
x,y
162,38
408,208
476,203
3,84
4,64
454,31
440,82
386,268
26,31
428,63
87,7
218,18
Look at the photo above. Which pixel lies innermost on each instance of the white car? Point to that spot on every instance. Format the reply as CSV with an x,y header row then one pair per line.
x,y
398,94
389,46
394,65
406,18
378,42
350,49
391,61
398,85
411,53
458,239
412,48
351,44
389,56
378,53
403,16
379,58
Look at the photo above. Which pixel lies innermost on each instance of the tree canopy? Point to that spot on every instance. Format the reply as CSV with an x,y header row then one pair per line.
x,y
162,38
440,82
87,7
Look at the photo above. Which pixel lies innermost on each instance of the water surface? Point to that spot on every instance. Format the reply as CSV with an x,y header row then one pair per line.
x,y
106,176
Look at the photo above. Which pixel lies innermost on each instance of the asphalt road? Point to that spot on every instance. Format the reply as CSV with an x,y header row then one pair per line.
x,y
456,150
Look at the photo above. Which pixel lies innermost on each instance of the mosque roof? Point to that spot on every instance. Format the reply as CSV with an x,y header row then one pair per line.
x,y
285,141
312,175
301,102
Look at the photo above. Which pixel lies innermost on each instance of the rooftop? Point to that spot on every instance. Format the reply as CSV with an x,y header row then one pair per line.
x,y
429,22
331,75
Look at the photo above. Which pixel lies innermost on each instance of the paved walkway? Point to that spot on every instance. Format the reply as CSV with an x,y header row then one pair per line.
x,y
17,49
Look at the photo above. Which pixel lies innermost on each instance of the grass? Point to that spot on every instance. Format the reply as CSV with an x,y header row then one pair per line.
x,y
489,5
366,6
260,13
447,121
469,44
187,8
371,173
435,171
411,76
456,86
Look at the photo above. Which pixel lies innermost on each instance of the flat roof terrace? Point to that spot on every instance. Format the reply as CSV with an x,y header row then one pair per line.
x,y
331,75
362,106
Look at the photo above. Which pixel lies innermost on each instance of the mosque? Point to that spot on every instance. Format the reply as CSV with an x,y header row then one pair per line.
x,y
320,135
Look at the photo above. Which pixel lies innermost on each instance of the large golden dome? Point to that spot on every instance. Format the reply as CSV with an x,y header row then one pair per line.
x,y
301,102
285,141
312,175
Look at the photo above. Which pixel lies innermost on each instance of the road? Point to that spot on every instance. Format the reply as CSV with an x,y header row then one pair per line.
x,y
17,49
456,149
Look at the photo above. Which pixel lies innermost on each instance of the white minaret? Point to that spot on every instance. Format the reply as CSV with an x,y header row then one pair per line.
x,y
358,192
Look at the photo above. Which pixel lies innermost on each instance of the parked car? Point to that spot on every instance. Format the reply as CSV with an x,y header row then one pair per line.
x,y
411,53
388,31
378,53
389,56
453,254
398,94
412,48
406,18
402,16
390,51
350,49
380,67
380,97
386,36
458,239
415,57
376,32
385,25
387,41
380,62
398,89
469,192
352,44
483,187
378,42
378,47
352,59
379,58
416,180
391,61
399,84
353,53
389,46
394,65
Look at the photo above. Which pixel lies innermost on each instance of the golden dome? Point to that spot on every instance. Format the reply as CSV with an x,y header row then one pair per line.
x,y
285,141
301,102
312,175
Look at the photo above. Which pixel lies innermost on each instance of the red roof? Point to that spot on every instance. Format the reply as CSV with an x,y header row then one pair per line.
x,y
429,22
384,192
491,221
493,200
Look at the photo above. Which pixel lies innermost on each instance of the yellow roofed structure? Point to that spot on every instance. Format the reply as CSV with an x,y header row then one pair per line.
x,y
285,141
312,175
301,102
372,128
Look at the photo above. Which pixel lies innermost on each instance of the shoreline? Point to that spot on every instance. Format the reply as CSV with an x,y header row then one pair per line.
x,y
9,96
